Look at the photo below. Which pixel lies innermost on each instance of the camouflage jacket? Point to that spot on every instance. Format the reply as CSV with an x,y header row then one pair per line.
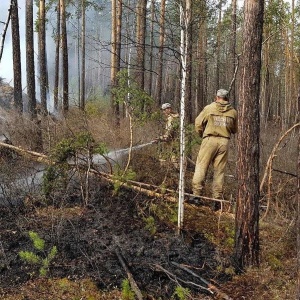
x,y
217,119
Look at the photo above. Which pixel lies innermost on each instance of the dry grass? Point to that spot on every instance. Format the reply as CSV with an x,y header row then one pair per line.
x,y
276,277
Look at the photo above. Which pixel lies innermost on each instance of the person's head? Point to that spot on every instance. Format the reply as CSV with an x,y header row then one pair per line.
x,y
166,108
222,95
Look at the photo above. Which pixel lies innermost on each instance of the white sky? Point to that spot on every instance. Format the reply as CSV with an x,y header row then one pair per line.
x,y
6,67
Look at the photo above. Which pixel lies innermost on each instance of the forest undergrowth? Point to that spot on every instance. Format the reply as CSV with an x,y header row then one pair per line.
x,y
100,226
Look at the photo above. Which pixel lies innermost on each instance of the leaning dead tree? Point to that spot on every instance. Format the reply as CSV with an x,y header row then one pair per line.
x,y
268,169
4,32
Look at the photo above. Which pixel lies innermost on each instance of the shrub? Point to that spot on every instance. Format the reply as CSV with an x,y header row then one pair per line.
x,y
35,259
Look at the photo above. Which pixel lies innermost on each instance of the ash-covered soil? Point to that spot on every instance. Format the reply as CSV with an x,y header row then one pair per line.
x,y
92,240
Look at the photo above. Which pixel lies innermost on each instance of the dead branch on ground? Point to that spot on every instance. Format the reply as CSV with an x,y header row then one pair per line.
x,y
177,279
211,287
132,282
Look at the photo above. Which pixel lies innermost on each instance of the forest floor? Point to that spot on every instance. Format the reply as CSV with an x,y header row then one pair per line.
x,y
127,234
114,231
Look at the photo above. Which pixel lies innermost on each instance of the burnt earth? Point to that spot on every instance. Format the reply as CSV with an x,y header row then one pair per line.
x,y
87,239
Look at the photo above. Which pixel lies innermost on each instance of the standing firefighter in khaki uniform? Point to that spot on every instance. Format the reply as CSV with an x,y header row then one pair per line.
x,y
170,136
215,124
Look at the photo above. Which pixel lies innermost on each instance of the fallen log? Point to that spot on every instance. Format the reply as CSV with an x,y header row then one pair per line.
x,y
167,194
37,156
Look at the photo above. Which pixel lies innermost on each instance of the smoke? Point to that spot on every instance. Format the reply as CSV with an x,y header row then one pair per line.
x,y
97,52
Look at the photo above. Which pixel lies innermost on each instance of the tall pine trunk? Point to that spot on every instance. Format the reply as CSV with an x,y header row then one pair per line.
x,y
57,47
247,209
18,102
42,57
141,12
160,52
65,56
30,70
82,83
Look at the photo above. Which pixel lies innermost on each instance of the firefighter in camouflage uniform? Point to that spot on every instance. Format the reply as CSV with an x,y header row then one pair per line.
x,y
215,124
170,151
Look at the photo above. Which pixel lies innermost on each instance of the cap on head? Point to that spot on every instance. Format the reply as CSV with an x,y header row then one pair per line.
x,y
165,106
222,93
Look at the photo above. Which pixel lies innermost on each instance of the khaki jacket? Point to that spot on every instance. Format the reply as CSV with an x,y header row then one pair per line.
x,y
217,119
171,129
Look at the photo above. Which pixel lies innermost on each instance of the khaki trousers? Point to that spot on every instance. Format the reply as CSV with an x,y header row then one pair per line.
x,y
212,150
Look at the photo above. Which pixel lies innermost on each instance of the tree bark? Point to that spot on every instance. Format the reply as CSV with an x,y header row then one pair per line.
x,y
247,210
82,83
30,70
202,61
65,56
233,61
114,62
141,12
298,202
42,57
161,52
57,46
18,101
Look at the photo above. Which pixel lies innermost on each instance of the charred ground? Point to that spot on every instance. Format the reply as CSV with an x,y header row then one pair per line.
x,y
88,237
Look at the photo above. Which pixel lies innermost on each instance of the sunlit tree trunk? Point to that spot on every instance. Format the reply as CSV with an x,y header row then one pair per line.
x,y
65,56
247,209
18,102
42,57
161,52
57,47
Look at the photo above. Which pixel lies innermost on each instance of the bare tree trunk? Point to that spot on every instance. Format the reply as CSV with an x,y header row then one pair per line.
x,y
218,48
202,69
233,50
189,108
42,57
65,59
18,102
150,81
57,46
114,62
298,203
185,19
161,52
82,85
141,12
247,210
30,70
